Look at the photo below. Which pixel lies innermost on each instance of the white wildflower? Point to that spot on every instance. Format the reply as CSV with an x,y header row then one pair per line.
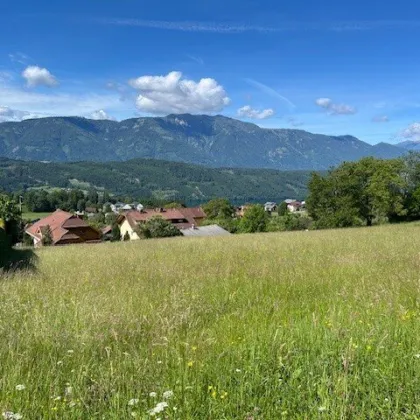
x,y
20,387
417,356
322,409
133,401
159,362
70,351
60,362
133,414
153,395
72,404
159,408
58,398
10,415
238,370
68,391
167,395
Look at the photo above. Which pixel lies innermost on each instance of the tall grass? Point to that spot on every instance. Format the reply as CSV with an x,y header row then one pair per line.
x,y
301,325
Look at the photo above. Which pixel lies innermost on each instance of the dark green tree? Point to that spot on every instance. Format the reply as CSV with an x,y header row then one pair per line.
x,y
219,208
46,238
282,209
115,233
157,227
255,219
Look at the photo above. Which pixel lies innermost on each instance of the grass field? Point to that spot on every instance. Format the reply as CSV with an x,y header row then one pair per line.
x,y
308,325
34,216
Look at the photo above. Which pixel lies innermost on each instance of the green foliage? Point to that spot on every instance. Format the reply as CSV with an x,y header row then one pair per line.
x,y
126,236
282,209
289,222
157,227
358,193
47,238
142,178
254,220
115,233
10,220
219,208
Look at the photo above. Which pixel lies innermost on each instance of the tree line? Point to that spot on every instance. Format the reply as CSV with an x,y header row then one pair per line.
x,y
370,191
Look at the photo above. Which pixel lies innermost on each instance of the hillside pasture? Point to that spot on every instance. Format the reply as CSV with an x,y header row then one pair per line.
x,y
306,325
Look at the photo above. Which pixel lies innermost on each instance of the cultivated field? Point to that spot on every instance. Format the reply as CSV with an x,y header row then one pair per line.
x,y
308,325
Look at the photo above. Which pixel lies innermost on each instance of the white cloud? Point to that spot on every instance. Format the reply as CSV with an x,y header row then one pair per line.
x,y
37,76
249,112
173,94
8,114
100,114
335,109
380,119
412,132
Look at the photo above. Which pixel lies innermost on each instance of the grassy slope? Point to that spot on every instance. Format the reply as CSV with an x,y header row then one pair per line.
x,y
292,325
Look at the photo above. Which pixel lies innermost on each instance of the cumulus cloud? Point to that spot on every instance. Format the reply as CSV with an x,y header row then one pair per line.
x,y
412,132
249,112
100,114
9,114
37,76
380,119
173,94
335,109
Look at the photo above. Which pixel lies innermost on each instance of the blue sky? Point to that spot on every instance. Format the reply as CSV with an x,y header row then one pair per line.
x,y
327,67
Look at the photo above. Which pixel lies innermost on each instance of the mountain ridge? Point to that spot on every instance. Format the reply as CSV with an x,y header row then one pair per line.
x,y
213,141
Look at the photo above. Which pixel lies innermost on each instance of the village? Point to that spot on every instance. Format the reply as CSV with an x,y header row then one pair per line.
x,y
65,227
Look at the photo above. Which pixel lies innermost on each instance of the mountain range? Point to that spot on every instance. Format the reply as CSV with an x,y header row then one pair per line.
x,y
213,141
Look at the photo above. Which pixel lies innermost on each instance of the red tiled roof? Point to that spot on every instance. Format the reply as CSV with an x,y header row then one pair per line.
x,y
187,215
193,212
60,223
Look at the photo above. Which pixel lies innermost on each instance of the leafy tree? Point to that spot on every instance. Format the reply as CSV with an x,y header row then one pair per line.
x,y
81,205
157,227
93,196
173,205
282,209
10,219
255,219
219,208
289,222
357,193
46,233
115,233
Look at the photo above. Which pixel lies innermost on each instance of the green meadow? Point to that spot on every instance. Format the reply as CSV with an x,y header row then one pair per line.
x,y
306,325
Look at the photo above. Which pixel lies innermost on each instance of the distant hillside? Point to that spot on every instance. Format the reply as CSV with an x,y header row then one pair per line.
x,y
410,145
213,141
160,179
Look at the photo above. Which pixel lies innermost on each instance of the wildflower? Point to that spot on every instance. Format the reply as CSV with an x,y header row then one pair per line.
x,y
133,414
153,395
167,395
238,370
20,387
133,401
159,408
210,387
72,404
214,393
194,348
322,409
57,398
368,348
68,391
70,351
417,356
59,363
223,395
10,415
190,363
159,362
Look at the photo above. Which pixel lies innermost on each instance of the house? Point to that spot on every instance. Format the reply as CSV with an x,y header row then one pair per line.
x,y
126,207
181,218
210,230
294,206
270,206
289,200
65,229
240,211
